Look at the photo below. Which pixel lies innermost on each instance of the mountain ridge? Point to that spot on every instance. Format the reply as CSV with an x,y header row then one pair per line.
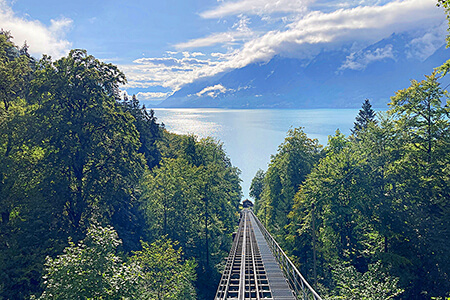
x,y
331,79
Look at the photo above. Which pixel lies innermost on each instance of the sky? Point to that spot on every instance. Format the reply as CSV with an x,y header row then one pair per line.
x,y
162,45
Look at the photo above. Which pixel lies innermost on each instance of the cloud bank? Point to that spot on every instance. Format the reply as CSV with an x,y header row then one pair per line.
x,y
360,60
40,38
256,7
212,91
308,33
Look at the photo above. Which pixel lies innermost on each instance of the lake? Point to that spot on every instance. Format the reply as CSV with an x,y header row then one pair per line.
x,y
251,136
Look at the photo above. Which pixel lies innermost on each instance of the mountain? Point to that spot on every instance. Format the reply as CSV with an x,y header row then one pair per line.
x,y
331,79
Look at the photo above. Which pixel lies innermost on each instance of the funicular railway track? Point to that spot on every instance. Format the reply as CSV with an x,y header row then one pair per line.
x,y
245,277
257,267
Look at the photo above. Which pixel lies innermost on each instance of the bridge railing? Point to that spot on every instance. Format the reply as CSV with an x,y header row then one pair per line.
x,y
297,282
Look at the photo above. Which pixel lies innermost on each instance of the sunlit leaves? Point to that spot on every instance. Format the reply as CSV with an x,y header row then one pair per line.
x,y
287,170
192,197
163,272
91,269
374,284
94,269
92,142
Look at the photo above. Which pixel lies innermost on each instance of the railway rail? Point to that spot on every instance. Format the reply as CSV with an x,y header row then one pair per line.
x,y
257,268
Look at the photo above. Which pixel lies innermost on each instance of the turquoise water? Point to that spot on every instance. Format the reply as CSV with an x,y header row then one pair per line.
x,y
250,137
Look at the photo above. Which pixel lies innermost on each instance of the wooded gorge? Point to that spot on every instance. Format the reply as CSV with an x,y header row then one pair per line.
x,y
98,200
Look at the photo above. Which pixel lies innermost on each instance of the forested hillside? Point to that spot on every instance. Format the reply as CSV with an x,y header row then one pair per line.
x,y
98,200
368,215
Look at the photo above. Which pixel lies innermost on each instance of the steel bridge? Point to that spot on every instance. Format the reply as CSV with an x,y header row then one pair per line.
x,y
257,268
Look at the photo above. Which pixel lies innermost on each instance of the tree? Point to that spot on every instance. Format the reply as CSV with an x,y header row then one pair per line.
x,y
374,284
149,130
257,188
287,170
24,215
164,274
332,216
365,116
421,119
170,199
92,143
193,197
381,197
91,269
67,151
14,70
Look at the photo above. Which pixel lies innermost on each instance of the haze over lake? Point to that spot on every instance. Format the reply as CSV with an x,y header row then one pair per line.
x,y
251,136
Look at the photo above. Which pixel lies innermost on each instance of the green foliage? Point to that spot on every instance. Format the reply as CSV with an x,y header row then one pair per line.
x,y
67,150
14,69
171,193
193,197
149,130
24,215
91,269
380,198
257,188
286,172
70,151
193,204
92,163
92,143
422,117
164,274
421,120
374,284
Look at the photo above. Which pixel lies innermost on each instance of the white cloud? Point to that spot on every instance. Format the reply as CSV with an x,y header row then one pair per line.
x,y
195,54
59,27
336,4
242,24
152,95
212,91
169,72
318,30
424,46
214,39
302,38
170,61
256,7
40,38
360,60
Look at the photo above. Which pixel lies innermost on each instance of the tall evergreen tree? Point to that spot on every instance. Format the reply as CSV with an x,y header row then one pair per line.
x,y
149,130
365,116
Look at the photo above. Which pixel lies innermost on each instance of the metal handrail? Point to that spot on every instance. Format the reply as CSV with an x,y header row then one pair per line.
x,y
297,282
